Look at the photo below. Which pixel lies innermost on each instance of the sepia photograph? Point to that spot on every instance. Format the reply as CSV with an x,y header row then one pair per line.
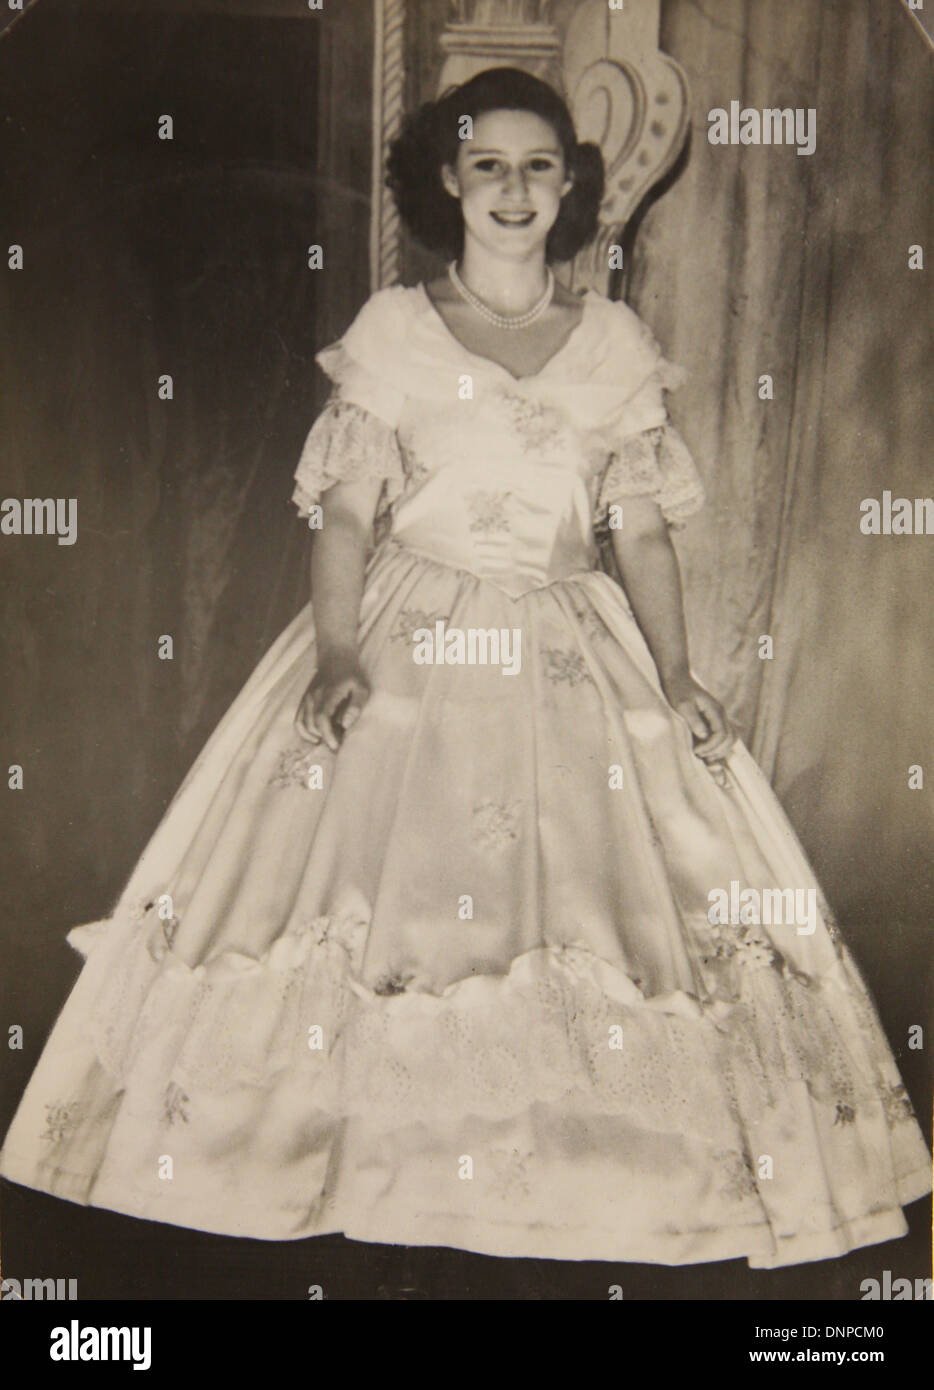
x,y
467,535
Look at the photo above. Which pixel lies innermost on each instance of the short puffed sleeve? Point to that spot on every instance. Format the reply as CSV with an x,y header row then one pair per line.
x,y
354,438
646,456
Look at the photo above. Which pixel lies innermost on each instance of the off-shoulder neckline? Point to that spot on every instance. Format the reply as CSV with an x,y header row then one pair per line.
x,y
437,319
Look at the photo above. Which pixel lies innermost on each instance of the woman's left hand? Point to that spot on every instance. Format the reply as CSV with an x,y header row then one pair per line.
x,y
705,717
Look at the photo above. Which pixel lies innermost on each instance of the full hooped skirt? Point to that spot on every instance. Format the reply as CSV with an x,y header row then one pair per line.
x,y
456,985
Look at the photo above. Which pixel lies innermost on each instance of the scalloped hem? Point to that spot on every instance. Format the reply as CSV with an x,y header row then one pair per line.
x,y
626,1157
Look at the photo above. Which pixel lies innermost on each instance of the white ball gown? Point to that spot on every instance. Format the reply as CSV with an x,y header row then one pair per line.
x,y
456,984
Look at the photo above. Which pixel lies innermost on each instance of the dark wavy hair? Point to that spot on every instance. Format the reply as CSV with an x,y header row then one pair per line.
x,y
429,140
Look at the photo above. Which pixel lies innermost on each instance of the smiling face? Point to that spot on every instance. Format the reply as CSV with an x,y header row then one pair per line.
x,y
510,179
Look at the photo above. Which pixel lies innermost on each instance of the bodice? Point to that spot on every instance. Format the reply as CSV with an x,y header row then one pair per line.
x,y
501,486
506,478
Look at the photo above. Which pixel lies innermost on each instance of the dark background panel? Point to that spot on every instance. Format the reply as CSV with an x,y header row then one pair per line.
x,y
145,257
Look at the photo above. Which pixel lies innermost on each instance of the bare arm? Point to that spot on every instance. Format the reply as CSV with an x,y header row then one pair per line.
x,y
652,579
339,688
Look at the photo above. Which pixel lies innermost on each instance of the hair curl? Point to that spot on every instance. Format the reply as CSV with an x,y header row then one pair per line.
x,y
429,139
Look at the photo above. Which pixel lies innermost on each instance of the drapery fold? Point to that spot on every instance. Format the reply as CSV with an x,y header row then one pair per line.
x,y
762,261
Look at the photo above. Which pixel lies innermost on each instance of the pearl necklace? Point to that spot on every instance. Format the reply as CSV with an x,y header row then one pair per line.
x,y
504,320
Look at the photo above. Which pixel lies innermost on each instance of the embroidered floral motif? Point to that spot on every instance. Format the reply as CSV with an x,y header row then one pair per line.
x,y
897,1106
754,949
844,1114
495,824
175,1103
296,766
488,511
322,929
60,1120
393,984
565,664
723,945
409,620
346,931
746,944
538,426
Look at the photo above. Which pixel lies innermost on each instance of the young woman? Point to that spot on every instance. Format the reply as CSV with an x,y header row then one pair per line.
x,y
501,941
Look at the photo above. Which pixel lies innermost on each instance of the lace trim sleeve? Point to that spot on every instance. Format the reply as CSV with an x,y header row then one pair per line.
x,y
655,463
348,444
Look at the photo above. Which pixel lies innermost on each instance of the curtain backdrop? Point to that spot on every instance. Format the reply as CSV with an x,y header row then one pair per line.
x,y
759,260
145,257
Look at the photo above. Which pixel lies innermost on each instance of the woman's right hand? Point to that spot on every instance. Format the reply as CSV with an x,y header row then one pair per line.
x,y
334,698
